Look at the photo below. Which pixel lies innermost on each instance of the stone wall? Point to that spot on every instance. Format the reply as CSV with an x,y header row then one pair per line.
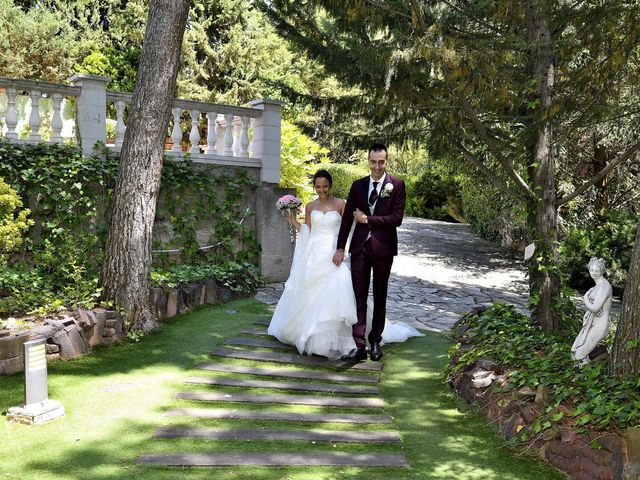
x,y
75,333
582,456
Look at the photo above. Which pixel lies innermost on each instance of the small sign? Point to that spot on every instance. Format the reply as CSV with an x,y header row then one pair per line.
x,y
529,250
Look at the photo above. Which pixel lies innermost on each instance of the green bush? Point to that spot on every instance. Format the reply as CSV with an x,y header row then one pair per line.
x,y
493,214
611,237
343,176
434,194
533,358
241,277
13,220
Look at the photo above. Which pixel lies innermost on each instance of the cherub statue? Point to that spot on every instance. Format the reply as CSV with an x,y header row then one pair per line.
x,y
595,323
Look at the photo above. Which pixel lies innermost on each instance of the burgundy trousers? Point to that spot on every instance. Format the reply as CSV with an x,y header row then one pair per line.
x,y
362,264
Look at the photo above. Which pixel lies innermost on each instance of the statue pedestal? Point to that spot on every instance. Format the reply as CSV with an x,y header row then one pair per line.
x,y
36,413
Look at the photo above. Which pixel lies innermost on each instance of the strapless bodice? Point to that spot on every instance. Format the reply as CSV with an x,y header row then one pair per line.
x,y
325,222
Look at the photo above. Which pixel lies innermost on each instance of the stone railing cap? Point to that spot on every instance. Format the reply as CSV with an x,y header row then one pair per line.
x,y
268,101
87,76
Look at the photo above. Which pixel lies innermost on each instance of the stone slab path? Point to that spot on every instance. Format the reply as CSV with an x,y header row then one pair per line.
x,y
442,271
352,390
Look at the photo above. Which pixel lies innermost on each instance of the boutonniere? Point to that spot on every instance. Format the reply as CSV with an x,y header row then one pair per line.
x,y
386,191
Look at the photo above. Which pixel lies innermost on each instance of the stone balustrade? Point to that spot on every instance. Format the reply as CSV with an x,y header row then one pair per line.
x,y
33,111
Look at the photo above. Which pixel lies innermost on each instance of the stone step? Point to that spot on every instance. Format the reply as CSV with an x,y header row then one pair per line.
x,y
255,331
280,435
275,459
259,342
278,372
262,322
224,413
307,387
295,359
283,399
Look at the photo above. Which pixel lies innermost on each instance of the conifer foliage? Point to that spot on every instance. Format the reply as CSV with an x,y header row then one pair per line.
x,y
508,86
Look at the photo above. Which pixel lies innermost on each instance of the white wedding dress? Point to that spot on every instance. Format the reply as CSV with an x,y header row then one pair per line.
x,y
318,307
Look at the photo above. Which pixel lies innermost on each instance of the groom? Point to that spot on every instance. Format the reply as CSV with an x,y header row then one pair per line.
x,y
376,203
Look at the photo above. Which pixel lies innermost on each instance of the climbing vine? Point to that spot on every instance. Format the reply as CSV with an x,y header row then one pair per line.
x,y
69,196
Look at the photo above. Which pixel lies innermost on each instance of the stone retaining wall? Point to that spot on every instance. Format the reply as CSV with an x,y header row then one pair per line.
x,y
80,330
592,456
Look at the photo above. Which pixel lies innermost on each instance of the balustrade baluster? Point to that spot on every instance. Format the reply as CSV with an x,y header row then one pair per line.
x,y
34,118
11,118
176,133
121,128
56,119
244,138
211,133
220,131
228,135
194,135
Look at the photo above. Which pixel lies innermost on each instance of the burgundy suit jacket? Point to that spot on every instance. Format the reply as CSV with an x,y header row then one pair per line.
x,y
382,224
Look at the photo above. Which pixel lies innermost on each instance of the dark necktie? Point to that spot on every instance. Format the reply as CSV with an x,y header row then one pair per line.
x,y
374,194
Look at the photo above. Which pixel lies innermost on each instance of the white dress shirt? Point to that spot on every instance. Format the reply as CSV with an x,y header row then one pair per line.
x,y
378,189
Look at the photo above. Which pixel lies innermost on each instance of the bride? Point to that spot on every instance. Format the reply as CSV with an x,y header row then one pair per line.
x,y
318,307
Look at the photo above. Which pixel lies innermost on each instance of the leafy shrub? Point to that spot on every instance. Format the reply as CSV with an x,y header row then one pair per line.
x,y
599,400
300,158
343,176
13,220
493,214
612,238
240,277
434,194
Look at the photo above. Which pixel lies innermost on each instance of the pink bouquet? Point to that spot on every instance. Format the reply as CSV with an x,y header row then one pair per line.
x,y
287,203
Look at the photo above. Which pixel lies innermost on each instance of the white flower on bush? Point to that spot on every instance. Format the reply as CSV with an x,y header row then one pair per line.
x,y
386,191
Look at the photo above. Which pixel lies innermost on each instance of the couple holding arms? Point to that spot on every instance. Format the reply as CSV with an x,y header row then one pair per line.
x,y
325,308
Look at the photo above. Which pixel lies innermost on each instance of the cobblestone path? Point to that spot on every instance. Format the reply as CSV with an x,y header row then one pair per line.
x,y
442,271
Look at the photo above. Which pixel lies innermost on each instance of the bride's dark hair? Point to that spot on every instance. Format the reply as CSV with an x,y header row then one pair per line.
x,y
323,174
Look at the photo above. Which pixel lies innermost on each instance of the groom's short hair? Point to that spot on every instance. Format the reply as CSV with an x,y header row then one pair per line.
x,y
378,147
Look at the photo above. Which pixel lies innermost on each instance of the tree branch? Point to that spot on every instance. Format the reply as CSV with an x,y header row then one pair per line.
x,y
494,146
600,175
491,176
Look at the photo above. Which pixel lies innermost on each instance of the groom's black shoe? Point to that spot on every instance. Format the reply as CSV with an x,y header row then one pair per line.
x,y
355,355
376,352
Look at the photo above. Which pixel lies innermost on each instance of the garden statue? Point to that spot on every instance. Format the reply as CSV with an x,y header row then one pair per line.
x,y
595,323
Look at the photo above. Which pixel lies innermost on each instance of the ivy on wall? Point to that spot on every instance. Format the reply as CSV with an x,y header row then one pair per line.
x,y
69,196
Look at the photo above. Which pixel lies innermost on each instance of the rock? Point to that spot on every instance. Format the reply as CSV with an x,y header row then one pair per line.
x,y
632,472
116,324
86,318
4,333
110,340
512,427
52,357
52,348
77,339
94,334
158,301
109,332
61,339
482,378
172,303
513,406
568,434
9,366
210,295
525,392
543,395
10,323
632,438
67,321
225,294
488,364
11,347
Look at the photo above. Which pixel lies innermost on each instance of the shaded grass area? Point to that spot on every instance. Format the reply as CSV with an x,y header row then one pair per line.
x,y
116,398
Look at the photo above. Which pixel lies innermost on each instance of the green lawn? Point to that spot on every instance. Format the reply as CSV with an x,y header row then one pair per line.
x,y
116,397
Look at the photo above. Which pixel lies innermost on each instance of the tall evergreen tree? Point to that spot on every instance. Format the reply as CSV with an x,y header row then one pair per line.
x,y
500,83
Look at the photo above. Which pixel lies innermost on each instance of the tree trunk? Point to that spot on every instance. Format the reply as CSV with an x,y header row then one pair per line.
x,y
625,354
544,279
125,276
